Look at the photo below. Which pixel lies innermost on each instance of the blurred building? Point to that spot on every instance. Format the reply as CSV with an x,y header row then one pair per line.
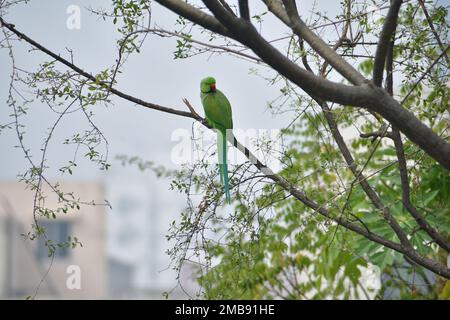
x,y
139,267
78,273
124,249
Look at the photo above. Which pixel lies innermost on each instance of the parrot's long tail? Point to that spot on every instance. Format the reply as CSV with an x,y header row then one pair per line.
x,y
223,166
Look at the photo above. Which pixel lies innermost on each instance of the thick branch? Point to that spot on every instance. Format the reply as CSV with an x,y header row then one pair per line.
x,y
384,40
244,10
195,15
401,118
276,7
227,6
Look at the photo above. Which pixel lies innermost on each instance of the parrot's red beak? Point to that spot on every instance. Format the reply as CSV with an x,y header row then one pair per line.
x,y
213,87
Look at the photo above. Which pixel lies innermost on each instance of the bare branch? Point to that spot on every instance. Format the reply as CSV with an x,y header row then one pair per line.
x,y
302,30
195,15
89,76
191,108
163,33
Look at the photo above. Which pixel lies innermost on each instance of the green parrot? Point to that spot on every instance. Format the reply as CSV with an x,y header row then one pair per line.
x,y
218,114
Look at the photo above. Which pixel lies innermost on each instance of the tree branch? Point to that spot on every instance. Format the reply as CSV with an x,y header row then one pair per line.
x,y
383,42
244,10
400,152
89,76
343,37
381,133
276,7
166,33
226,6
335,60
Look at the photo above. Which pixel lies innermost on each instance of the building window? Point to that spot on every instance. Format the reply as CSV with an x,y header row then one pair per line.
x,y
58,232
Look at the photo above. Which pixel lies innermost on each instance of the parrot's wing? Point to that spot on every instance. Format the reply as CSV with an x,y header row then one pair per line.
x,y
218,110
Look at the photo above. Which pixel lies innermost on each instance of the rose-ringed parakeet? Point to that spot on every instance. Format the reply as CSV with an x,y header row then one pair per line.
x,y
218,114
